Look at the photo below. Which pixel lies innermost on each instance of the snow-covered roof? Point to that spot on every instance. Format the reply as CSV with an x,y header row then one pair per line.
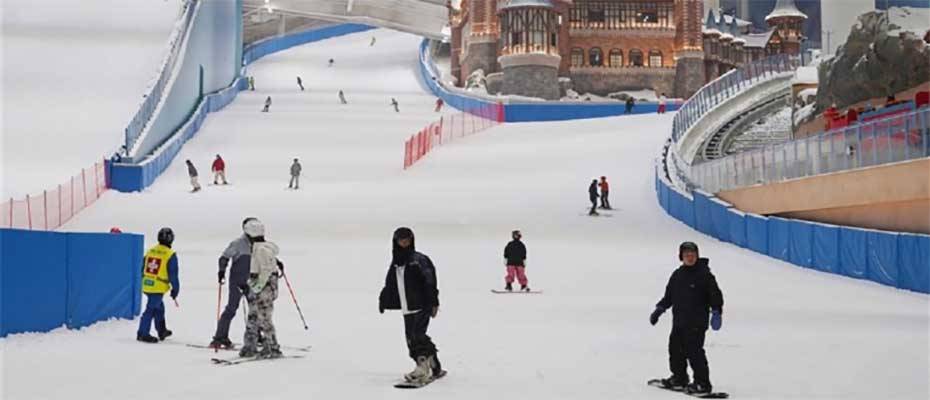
x,y
758,39
505,4
728,19
710,24
805,76
785,8
909,19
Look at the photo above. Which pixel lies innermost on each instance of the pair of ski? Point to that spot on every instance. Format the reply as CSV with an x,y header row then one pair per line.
x,y
712,395
242,360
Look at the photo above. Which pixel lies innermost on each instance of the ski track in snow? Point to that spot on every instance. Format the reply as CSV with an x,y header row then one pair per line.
x,y
788,333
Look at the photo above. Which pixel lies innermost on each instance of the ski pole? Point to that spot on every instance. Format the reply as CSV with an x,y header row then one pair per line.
x,y
219,299
176,305
289,289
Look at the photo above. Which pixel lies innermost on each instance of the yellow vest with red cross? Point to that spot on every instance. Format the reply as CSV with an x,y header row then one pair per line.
x,y
155,272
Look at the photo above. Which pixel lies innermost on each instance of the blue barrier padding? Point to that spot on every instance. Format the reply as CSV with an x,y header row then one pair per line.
x,y
800,243
914,262
532,112
778,231
720,218
757,233
853,252
687,211
101,283
703,221
263,48
665,197
34,290
882,257
737,223
826,248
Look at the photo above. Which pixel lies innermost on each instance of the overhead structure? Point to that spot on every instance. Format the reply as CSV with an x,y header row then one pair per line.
x,y
427,18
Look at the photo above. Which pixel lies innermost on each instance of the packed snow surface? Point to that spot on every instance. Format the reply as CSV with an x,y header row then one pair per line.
x,y
787,332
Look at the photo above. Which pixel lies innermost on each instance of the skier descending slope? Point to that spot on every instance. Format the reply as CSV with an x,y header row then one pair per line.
x,y
592,195
267,104
159,275
261,290
691,292
515,255
239,252
395,104
192,173
342,98
410,286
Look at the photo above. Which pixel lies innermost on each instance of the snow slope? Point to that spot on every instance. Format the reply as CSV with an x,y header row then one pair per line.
x,y
788,333
74,72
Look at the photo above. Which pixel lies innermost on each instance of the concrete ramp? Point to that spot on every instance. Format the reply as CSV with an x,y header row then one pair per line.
x,y
427,18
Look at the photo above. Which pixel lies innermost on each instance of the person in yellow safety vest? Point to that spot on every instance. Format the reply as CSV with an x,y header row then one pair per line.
x,y
159,276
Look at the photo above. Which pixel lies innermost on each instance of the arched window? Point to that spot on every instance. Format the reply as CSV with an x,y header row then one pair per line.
x,y
636,58
655,58
596,57
577,57
616,58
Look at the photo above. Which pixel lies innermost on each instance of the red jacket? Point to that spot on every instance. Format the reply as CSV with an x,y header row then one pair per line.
x,y
219,165
605,187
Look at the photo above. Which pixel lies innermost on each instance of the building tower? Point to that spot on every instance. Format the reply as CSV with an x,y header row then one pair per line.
x,y
480,51
788,21
530,47
689,52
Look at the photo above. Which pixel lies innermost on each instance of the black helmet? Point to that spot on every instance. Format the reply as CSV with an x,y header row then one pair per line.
x,y
403,233
687,246
515,234
165,237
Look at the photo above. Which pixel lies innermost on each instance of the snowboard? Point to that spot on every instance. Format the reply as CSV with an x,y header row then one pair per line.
x,y
515,291
416,385
712,395
243,360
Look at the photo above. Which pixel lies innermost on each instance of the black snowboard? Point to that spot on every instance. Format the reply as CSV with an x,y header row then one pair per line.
x,y
712,395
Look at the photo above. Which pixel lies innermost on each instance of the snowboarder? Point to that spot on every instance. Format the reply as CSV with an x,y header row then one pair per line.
x,y
261,290
267,104
252,83
219,170
331,61
515,256
372,42
300,83
192,172
342,98
295,175
395,104
630,103
662,101
159,276
439,104
239,251
592,195
605,191
410,286
691,293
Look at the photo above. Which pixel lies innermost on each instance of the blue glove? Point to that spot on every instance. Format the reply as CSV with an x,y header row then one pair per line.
x,y
654,318
716,320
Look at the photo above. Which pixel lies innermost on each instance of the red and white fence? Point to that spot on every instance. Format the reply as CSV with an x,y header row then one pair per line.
x,y
54,207
449,128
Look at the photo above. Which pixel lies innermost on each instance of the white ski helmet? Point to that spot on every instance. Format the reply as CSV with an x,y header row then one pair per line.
x,y
254,228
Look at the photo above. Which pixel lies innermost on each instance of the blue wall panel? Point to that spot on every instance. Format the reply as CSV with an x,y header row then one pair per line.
x,y
102,284
737,222
826,248
800,247
883,257
720,218
853,252
34,287
914,262
779,232
703,221
757,233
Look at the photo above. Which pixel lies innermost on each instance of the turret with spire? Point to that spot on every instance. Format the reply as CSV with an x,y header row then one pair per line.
x,y
788,20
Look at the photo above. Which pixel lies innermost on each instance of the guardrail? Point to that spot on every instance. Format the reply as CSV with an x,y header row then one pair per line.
x,y
448,129
56,206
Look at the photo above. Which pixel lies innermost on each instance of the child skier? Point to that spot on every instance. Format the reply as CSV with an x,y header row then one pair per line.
x,y
159,276
260,291
515,256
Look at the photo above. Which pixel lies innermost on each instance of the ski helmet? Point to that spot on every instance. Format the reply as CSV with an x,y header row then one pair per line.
x,y
516,234
403,233
253,228
687,246
165,237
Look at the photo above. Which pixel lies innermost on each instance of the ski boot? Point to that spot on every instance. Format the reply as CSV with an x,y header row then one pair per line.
x,y
675,383
698,388
224,344
248,351
147,338
509,287
270,352
524,288
438,372
164,335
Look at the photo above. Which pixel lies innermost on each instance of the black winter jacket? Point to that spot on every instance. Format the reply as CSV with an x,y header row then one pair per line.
x,y
691,293
592,191
419,285
515,253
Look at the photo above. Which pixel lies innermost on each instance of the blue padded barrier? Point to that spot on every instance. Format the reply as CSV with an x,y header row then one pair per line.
x,y
853,252
826,248
800,243
882,257
737,224
757,233
703,221
914,262
720,218
779,232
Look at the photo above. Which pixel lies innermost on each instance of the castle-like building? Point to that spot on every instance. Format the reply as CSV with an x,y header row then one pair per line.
x,y
605,46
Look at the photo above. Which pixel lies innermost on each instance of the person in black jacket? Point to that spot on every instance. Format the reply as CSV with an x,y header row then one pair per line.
x,y
592,195
515,255
691,293
410,286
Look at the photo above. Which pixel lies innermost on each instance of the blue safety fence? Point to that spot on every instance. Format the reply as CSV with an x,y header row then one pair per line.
x,y
51,279
900,260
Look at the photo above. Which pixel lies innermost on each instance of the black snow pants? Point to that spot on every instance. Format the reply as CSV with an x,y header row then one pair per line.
x,y
686,345
418,342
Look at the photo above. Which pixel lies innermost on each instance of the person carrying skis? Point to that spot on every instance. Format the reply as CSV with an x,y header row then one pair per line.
x,y
219,170
395,104
192,172
342,98
439,104
239,251
267,104
605,191
692,293
159,276
300,83
410,286
295,175
592,195
515,256
261,290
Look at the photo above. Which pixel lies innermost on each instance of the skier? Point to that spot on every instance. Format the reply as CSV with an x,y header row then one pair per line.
x,y
662,101
592,195
691,292
159,276
300,83
252,83
605,191
239,252
439,104
267,104
219,170
295,175
331,61
630,103
372,42
192,172
342,98
395,104
410,286
515,255
260,291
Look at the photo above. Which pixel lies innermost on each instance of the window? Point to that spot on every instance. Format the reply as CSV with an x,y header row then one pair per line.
x,y
655,58
616,58
596,16
636,58
577,57
596,57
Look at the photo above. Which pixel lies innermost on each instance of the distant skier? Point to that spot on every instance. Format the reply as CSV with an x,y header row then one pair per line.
x,y
630,103
300,83
219,170
239,252
592,195
605,192
410,286
342,98
331,61
267,104
159,276
439,104
252,83
395,104
295,175
691,293
192,172
372,42
260,291
515,256
662,102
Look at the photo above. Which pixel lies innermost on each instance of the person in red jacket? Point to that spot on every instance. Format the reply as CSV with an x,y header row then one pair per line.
x,y
605,191
439,104
219,170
